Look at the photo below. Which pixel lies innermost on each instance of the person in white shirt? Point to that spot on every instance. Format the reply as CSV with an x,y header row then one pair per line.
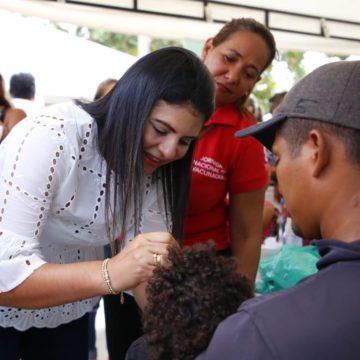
x,y
22,90
79,175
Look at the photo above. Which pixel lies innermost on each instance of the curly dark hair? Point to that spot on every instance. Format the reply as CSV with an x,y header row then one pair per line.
x,y
188,299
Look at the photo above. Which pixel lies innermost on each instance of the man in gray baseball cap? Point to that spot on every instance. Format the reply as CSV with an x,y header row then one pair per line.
x,y
315,136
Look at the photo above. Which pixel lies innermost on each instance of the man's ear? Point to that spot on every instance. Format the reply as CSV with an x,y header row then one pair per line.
x,y
207,46
320,149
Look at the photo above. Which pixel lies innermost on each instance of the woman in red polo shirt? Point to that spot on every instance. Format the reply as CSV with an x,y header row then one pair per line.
x,y
229,175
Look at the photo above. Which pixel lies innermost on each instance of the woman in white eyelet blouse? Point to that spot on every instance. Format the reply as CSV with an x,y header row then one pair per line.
x,y
58,172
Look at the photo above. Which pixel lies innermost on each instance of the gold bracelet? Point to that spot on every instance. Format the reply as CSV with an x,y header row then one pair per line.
x,y
106,277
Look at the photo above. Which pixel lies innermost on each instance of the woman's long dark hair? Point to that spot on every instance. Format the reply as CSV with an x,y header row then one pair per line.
x,y
175,75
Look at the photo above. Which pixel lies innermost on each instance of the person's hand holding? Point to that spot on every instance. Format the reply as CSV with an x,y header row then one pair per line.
x,y
135,263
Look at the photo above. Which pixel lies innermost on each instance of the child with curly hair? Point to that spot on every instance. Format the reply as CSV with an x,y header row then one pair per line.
x,y
186,301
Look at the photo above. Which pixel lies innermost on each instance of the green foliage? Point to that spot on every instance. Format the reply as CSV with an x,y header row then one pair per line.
x,y
127,43
340,57
122,42
161,43
294,59
264,89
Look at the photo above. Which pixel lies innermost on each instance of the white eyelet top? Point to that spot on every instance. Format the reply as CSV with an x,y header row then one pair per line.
x,y
52,205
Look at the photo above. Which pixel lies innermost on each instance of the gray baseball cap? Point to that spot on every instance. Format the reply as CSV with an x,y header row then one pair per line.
x,y
331,93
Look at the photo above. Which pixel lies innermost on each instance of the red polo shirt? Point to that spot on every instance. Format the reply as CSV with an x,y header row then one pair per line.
x,y
222,164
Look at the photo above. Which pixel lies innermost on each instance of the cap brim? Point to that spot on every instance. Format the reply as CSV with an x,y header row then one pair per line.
x,y
264,131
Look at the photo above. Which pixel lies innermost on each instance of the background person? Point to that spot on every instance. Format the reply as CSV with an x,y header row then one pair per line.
x,y
315,137
76,176
104,87
22,91
253,106
229,177
9,116
276,100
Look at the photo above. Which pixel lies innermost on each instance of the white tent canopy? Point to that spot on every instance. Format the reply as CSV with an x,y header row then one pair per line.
x,y
330,26
64,66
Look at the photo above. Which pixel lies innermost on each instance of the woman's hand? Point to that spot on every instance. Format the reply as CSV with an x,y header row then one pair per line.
x,y
135,263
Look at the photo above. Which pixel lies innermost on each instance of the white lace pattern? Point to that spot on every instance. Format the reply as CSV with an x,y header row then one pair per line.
x,y
52,205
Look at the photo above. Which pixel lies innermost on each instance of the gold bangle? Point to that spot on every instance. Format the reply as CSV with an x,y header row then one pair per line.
x,y
106,277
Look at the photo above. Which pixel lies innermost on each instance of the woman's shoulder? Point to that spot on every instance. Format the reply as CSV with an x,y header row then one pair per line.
x,y
64,122
67,113
16,112
14,115
67,118
10,119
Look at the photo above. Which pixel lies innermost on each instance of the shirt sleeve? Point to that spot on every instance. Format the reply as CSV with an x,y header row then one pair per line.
x,y
32,163
237,338
138,350
249,171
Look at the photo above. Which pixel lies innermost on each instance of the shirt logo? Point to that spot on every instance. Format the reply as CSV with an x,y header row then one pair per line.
x,y
209,167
